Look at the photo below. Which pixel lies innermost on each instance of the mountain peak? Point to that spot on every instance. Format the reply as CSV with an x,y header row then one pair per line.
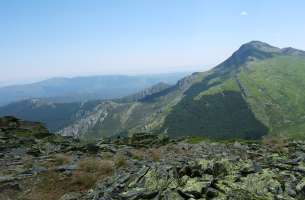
x,y
261,46
254,50
264,47
293,51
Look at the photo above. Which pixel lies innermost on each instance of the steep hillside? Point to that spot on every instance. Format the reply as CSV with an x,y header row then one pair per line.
x,y
146,92
54,115
258,90
147,114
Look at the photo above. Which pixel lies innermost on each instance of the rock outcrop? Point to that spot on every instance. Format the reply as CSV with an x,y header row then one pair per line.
x,y
35,164
211,171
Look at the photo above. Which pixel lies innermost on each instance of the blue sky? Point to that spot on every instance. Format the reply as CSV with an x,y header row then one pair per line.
x,y
47,38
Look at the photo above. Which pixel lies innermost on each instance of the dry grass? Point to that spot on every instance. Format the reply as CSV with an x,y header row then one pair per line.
x,y
155,154
28,163
90,170
107,155
138,154
62,159
84,180
276,143
146,154
175,149
93,165
52,185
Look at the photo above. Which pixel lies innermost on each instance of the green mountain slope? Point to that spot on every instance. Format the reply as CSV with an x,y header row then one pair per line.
x,y
54,115
258,90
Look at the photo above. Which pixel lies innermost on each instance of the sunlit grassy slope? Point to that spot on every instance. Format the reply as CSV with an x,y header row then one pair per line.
x,y
246,97
276,93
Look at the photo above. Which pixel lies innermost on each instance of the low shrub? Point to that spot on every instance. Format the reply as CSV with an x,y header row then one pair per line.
x,y
120,161
93,165
195,140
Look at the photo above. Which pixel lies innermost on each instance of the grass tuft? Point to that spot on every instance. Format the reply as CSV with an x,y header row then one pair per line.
x,y
120,161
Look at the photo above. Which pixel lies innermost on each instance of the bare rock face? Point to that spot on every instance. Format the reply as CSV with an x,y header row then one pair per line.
x,y
87,122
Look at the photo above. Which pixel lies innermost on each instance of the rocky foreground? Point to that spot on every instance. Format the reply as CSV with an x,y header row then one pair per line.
x,y
35,164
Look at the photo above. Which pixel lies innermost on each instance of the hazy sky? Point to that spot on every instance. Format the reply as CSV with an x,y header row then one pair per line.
x,y
45,38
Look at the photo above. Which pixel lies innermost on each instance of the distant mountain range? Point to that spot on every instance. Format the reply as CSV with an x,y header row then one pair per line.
x,y
79,89
258,90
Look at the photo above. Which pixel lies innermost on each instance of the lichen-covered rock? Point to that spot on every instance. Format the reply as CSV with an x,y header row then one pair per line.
x,y
194,187
300,188
219,171
71,196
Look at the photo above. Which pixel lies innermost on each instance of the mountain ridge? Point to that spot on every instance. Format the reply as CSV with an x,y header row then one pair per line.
x,y
85,88
256,91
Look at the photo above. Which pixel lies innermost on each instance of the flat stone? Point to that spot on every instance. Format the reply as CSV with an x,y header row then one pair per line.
x,y
38,169
71,196
195,187
66,168
133,193
5,179
211,192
